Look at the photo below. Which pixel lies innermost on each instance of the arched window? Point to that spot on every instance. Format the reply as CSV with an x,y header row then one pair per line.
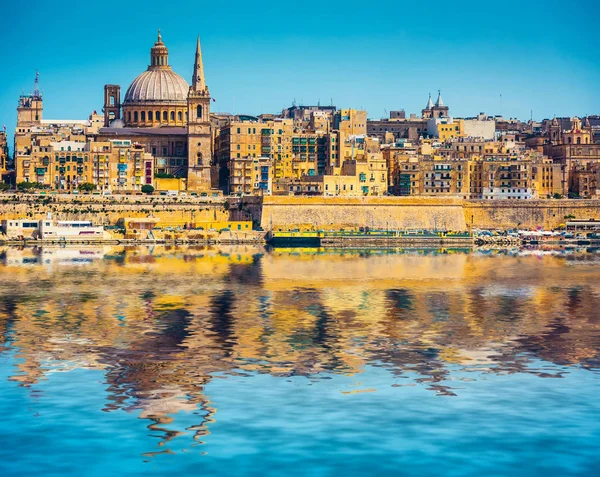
x,y
199,158
578,140
149,115
112,100
165,116
569,140
199,112
587,141
179,116
157,115
135,116
143,115
186,115
172,115
69,148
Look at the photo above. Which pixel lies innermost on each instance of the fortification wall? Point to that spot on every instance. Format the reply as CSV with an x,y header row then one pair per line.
x,y
317,213
420,213
527,213
109,209
334,213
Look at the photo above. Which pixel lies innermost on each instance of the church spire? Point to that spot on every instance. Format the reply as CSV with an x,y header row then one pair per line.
x,y
198,82
440,102
429,103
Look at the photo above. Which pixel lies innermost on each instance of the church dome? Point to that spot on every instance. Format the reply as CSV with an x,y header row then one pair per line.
x,y
157,85
158,96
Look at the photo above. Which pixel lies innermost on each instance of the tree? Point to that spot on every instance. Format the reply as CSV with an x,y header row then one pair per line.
x,y
147,189
557,196
29,185
86,187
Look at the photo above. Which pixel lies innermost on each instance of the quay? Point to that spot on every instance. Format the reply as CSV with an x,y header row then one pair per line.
x,y
368,238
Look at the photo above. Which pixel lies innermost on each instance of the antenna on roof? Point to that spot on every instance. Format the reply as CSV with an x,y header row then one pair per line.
x,y
36,86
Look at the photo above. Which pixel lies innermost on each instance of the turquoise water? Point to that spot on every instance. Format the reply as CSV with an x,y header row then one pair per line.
x,y
249,362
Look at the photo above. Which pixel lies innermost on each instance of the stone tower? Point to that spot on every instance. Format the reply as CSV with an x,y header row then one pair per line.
x,y
427,113
555,132
199,129
112,103
29,111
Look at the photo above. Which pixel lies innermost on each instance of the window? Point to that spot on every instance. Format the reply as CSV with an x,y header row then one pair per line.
x,y
199,112
172,115
165,116
112,100
135,117
164,151
143,115
157,115
179,116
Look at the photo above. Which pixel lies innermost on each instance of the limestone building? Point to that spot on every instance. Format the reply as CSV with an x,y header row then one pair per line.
x,y
159,113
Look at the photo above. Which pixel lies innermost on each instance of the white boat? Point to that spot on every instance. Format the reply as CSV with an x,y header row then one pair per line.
x,y
70,230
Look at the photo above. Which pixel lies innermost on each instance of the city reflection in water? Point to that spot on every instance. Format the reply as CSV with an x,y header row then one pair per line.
x,y
162,322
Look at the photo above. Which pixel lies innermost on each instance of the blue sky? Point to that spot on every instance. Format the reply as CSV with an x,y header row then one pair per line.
x,y
259,58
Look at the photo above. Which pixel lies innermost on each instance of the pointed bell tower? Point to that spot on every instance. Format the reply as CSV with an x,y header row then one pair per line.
x,y
199,128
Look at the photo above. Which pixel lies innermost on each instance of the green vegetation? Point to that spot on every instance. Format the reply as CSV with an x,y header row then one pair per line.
x,y
86,187
163,175
29,185
147,189
557,196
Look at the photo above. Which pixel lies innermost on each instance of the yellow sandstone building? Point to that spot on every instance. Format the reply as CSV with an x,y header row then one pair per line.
x,y
163,126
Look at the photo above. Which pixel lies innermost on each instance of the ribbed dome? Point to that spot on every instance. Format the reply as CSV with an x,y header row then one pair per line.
x,y
157,85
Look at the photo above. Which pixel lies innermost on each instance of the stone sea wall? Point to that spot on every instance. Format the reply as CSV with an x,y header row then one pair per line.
x,y
109,209
528,213
316,213
334,213
420,213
